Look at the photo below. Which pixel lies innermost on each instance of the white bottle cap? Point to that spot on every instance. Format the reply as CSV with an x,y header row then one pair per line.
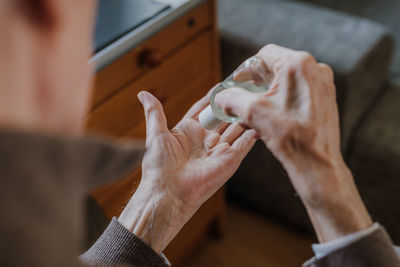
x,y
208,120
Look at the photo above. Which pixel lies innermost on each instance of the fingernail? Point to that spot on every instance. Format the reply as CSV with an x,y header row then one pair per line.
x,y
256,135
141,96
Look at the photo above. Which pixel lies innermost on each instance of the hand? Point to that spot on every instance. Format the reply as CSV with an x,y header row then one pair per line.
x,y
181,169
298,121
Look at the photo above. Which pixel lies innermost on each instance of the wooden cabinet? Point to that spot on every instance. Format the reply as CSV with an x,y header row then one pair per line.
x,y
178,65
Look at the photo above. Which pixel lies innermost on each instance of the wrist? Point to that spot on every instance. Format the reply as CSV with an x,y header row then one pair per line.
x,y
335,206
154,216
339,220
318,180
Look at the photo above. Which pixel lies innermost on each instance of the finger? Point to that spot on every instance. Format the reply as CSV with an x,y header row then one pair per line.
x,y
272,54
233,132
156,122
211,140
241,103
276,58
195,110
245,142
221,129
327,71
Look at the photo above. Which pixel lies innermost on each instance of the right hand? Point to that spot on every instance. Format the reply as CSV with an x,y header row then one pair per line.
x,y
298,121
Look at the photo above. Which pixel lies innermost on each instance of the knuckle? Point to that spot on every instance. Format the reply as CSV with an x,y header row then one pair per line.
x,y
305,56
300,62
249,114
153,108
292,68
327,70
150,109
304,59
253,108
326,67
268,47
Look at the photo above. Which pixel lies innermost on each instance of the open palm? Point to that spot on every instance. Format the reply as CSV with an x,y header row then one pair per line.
x,y
189,161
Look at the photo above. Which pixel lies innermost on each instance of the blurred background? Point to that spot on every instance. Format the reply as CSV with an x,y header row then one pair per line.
x,y
179,49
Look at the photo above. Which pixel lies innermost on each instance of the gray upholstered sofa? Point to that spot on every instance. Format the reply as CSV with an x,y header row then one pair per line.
x,y
359,51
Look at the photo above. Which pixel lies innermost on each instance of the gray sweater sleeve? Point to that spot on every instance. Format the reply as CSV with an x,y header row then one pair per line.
x,y
376,249
117,245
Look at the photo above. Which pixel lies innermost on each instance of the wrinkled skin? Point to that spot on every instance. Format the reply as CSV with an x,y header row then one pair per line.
x,y
297,119
182,168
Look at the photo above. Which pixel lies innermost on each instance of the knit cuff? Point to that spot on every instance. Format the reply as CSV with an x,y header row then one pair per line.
x,y
117,245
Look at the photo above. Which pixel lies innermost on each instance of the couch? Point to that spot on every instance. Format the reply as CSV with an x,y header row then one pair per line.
x,y
360,52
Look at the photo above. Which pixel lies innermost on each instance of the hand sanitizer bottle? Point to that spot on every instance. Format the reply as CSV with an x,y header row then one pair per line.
x,y
253,76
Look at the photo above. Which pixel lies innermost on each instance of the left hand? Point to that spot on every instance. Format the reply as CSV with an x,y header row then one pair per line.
x,y
181,169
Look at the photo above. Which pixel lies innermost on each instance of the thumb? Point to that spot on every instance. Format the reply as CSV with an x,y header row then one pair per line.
x,y
156,122
243,104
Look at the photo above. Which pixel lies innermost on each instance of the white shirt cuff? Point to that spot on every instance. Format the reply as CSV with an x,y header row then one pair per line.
x,y
321,250
165,259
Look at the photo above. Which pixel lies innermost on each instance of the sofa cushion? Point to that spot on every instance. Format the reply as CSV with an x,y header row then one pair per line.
x,y
385,11
374,159
357,49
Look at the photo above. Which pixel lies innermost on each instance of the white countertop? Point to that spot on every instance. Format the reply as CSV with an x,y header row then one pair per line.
x,y
143,32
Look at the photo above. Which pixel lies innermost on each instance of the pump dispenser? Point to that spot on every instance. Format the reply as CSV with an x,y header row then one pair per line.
x,y
252,75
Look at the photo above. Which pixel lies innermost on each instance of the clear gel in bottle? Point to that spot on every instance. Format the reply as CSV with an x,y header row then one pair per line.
x,y
252,75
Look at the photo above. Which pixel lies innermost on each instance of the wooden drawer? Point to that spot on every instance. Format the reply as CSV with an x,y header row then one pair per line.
x,y
177,106
123,111
157,49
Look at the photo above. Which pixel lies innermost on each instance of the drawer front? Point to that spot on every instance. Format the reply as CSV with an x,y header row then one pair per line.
x,y
153,52
123,112
176,106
